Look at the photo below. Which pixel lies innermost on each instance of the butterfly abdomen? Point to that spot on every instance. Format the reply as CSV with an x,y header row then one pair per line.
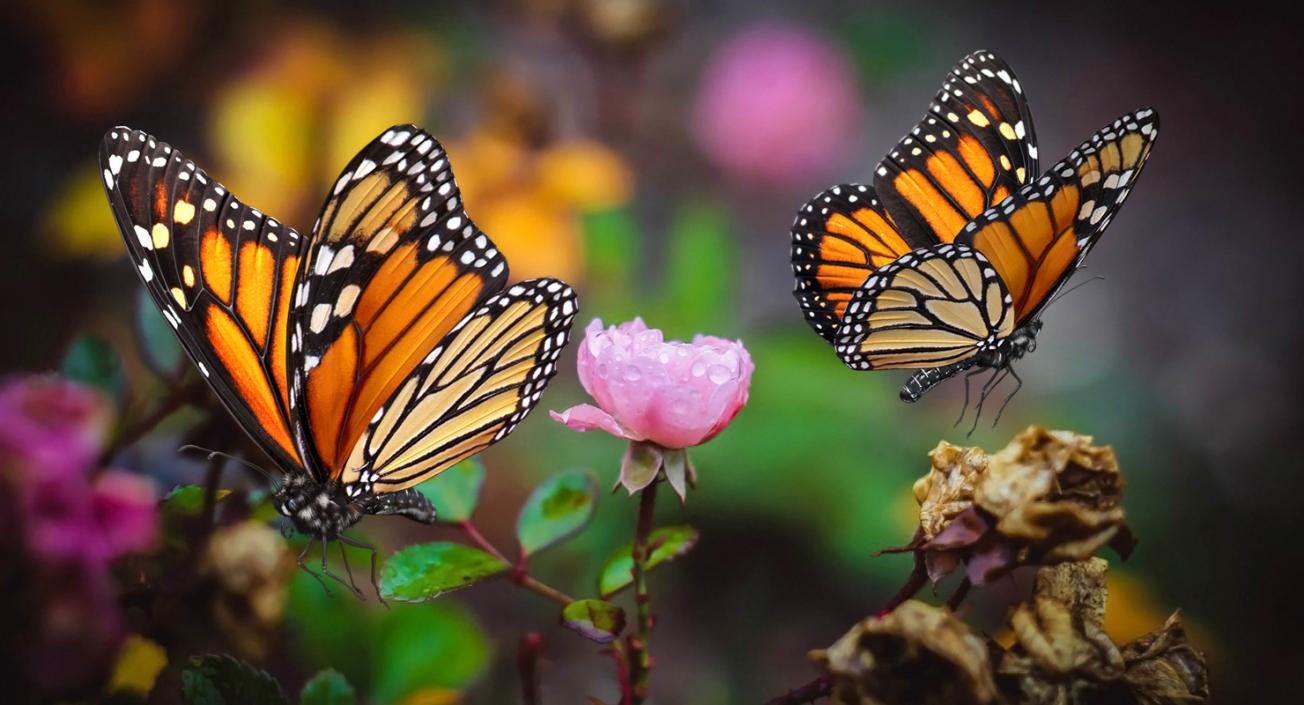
x,y
923,380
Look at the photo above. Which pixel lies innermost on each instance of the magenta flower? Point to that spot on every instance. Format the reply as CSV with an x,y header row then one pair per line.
x,y
777,105
51,422
662,396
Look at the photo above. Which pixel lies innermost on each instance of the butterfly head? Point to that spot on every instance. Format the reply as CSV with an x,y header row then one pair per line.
x,y
316,509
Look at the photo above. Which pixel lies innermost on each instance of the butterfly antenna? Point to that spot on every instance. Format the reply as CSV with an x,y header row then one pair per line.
x,y
1072,289
1017,387
211,454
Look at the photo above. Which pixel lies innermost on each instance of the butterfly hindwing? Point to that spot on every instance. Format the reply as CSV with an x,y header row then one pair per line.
x,y
1038,238
929,308
974,147
394,264
839,238
471,390
221,273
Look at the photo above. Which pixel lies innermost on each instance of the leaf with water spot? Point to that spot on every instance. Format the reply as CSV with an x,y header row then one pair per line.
x,y
557,510
668,543
426,571
224,680
328,688
594,619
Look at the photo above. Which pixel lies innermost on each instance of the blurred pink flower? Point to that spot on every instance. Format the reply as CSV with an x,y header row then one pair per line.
x,y
52,423
663,396
51,431
777,105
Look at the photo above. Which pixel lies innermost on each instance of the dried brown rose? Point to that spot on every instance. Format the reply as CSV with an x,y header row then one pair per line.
x,y
915,655
1063,657
1047,497
250,567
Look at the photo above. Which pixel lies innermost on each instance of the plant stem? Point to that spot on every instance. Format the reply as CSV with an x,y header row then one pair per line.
x,y
961,591
812,691
527,662
918,577
518,576
177,397
212,483
640,655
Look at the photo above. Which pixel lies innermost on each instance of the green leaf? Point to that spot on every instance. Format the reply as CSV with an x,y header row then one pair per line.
x,y
426,571
224,680
434,646
455,491
670,543
594,619
327,688
92,361
188,500
556,510
158,343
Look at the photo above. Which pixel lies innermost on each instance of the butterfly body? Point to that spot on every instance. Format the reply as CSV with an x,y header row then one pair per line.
x,y
946,263
364,358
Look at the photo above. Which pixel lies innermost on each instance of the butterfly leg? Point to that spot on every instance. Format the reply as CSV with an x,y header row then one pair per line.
x,y
1019,385
965,406
375,583
991,384
326,570
304,566
347,569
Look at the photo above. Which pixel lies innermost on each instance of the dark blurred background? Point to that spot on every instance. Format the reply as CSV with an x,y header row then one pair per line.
x,y
653,153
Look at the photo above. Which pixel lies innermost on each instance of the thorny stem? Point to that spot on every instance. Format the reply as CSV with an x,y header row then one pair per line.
x,y
518,575
640,655
617,653
527,662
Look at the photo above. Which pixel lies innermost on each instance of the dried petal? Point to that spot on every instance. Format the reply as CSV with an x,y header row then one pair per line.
x,y
915,655
1163,669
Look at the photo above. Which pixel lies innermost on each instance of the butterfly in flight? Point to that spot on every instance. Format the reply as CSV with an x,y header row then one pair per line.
x,y
363,359
948,260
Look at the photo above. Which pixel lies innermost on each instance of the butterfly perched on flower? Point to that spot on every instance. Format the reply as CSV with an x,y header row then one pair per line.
x,y
364,358
947,262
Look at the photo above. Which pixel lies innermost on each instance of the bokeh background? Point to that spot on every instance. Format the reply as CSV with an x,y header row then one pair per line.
x,y
653,153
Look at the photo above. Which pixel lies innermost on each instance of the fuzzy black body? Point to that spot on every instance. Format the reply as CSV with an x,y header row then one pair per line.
x,y
997,357
324,511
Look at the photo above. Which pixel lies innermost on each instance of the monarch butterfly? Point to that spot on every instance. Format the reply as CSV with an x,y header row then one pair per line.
x,y
363,359
948,260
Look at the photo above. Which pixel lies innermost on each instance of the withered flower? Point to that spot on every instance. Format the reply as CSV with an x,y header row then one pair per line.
x,y
250,567
914,655
1062,655
1047,497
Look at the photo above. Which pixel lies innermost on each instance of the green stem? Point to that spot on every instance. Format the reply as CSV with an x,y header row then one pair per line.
x,y
640,654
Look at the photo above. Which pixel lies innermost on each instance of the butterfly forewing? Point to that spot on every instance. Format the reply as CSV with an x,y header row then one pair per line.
x,y
929,308
974,147
1039,237
838,239
221,273
473,388
394,264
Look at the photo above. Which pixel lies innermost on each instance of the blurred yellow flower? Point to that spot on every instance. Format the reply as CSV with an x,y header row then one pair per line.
x,y
1132,609
77,220
282,131
139,663
585,175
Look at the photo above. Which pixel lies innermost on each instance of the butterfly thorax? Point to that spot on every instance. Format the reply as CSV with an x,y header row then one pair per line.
x,y
316,509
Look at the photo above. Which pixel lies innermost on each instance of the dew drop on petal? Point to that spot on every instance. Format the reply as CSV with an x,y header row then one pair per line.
x,y
720,374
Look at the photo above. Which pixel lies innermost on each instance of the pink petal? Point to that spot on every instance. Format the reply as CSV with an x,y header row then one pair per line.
x,y
586,417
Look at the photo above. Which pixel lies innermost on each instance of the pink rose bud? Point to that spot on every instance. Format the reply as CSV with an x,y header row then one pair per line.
x,y
666,395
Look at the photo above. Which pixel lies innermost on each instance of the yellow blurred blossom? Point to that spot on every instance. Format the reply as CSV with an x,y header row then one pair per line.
x,y
77,220
139,663
282,131
585,175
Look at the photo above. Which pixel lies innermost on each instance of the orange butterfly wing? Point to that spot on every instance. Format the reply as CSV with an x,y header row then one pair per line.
x,y
973,148
394,264
1038,238
221,273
